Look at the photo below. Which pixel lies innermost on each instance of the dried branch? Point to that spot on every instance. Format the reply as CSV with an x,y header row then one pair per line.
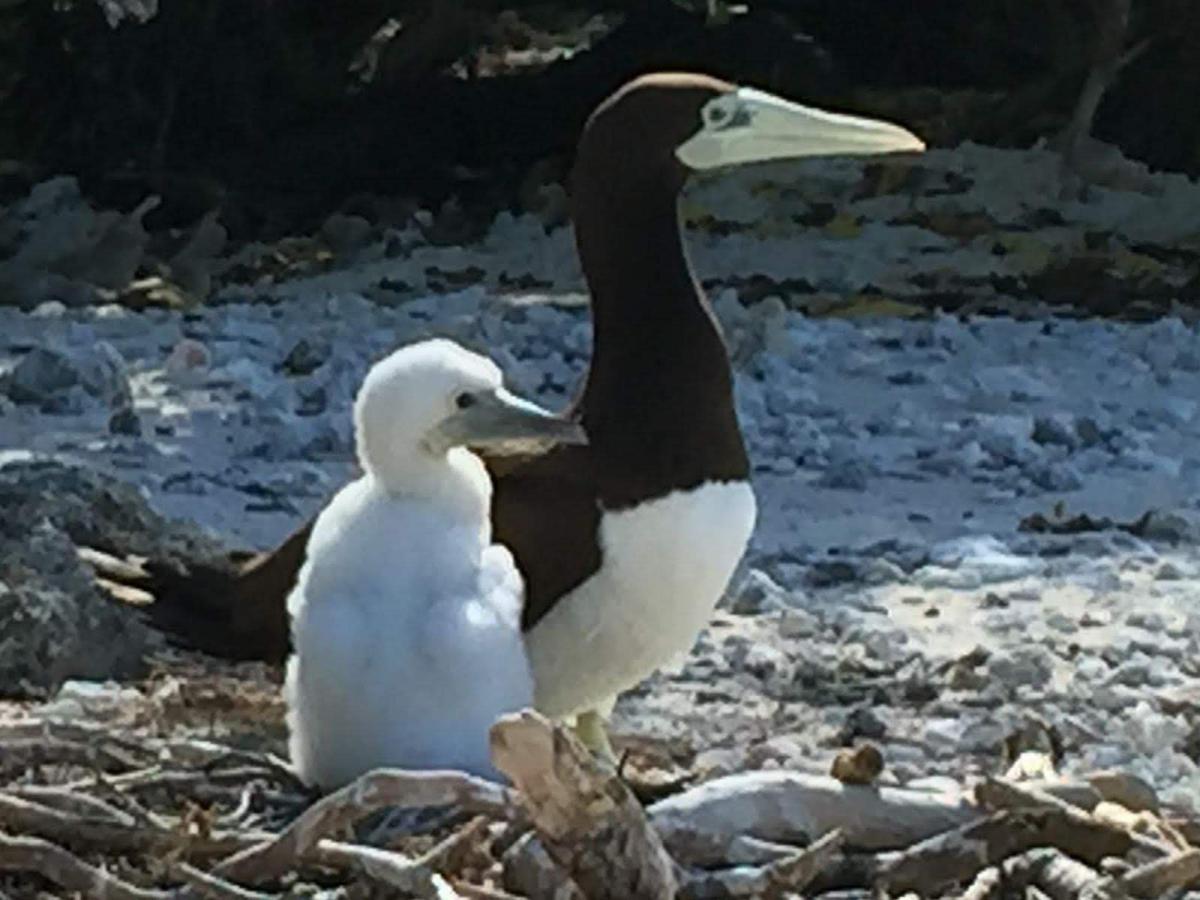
x,y
24,753
210,887
385,868
586,817
375,790
998,794
789,875
958,855
29,854
794,808
26,817
1156,878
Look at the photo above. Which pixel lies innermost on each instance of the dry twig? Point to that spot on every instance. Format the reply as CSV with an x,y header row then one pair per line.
x,y
373,791
958,855
586,817
63,868
789,875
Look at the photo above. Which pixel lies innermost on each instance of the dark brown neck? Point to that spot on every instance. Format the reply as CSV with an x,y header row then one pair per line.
x,y
658,401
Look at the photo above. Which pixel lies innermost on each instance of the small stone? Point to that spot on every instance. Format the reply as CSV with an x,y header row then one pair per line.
x,y
1088,432
188,357
1124,788
345,233
1172,527
1150,621
50,309
305,357
1169,571
858,765
56,379
1056,477
1056,430
125,421
862,722
757,594
798,623
766,663
1090,668
875,572
1061,622
830,573
1021,666
846,475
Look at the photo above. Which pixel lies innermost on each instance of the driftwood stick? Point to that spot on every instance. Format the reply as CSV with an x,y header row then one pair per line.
x,y
796,808
1156,878
210,887
449,855
26,817
478,892
23,753
63,868
373,791
789,875
1055,875
988,885
71,802
384,867
587,818
999,794
957,856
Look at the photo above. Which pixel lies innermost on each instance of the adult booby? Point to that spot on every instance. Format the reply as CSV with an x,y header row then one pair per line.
x,y
626,544
405,616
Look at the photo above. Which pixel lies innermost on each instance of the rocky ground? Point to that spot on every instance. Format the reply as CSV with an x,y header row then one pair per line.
x,y
979,532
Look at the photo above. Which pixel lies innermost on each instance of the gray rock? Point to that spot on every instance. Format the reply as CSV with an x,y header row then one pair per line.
x,y
1056,477
1172,527
846,475
1150,621
1088,431
125,421
1057,430
758,593
862,722
1021,666
305,357
54,625
61,380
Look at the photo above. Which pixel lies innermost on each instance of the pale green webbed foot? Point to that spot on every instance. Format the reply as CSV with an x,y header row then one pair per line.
x,y
589,728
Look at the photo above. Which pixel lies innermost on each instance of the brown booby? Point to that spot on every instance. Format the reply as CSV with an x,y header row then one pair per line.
x,y
625,544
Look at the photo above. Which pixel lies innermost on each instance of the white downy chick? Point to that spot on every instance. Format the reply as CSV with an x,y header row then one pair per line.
x,y
405,617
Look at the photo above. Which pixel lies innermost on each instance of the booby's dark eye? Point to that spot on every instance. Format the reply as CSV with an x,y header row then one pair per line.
x,y
717,115
462,401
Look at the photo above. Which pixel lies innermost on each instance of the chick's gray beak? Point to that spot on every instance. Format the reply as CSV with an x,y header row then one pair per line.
x,y
503,420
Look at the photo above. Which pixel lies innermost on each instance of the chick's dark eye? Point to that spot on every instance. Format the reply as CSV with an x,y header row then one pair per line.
x,y
462,401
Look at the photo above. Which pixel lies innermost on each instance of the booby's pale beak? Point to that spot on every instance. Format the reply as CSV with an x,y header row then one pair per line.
x,y
748,125
502,419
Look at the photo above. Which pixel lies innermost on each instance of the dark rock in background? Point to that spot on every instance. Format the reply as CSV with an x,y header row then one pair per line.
x,y
54,623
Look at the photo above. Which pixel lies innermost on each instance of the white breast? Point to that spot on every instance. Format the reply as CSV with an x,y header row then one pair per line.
x,y
665,564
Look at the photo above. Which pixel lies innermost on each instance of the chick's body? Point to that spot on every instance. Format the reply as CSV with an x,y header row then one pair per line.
x,y
407,639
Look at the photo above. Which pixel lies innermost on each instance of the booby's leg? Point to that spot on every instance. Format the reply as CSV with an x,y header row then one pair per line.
x,y
589,728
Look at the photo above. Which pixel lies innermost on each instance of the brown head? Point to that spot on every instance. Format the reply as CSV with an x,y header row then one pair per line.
x,y
659,128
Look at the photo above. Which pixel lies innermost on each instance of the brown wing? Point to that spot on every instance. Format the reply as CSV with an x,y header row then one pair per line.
x,y
236,612
544,509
